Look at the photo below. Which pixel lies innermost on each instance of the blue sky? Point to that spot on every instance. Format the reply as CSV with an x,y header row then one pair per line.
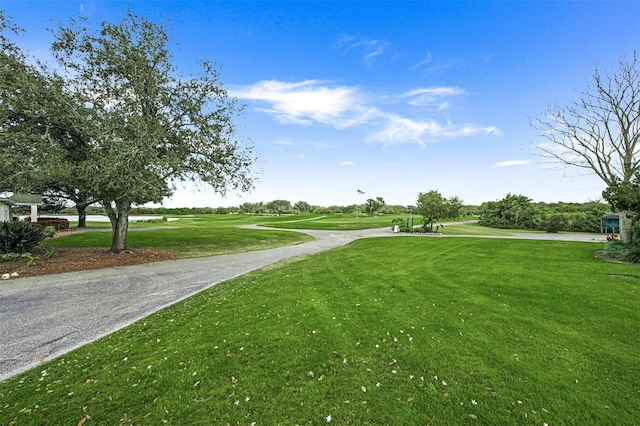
x,y
392,98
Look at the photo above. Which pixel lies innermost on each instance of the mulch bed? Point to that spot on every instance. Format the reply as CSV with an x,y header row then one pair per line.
x,y
70,259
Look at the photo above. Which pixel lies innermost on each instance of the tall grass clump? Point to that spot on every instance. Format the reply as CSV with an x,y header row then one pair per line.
x,y
624,252
618,250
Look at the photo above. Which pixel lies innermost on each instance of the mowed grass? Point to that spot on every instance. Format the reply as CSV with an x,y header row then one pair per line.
x,y
192,236
475,229
399,331
210,235
334,222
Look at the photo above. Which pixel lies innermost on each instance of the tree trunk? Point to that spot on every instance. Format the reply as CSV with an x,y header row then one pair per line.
x,y
626,227
119,218
82,214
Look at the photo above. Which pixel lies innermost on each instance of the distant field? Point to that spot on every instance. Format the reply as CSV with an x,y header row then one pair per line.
x,y
334,222
206,235
382,331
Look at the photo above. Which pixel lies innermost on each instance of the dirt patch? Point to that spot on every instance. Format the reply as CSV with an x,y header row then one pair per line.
x,y
70,259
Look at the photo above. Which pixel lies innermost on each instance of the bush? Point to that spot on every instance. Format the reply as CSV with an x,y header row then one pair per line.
x,y
555,223
57,223
19,237
618,250
402,225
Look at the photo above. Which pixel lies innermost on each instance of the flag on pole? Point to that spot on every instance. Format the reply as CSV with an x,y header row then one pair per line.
x,y
360,192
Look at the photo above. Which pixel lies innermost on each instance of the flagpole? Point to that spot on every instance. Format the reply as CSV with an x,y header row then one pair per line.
x,y
359,193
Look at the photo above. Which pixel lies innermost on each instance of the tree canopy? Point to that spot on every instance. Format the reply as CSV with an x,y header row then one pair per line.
x,y
519,212
624,196
431,205
372,206
130,125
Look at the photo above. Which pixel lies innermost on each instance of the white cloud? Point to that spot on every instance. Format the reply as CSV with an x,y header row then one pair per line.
x,y
427,64
283,142
371,47
399,130
424,61
347,163
432,96
307,102
345,40
436,91
319,102
510,163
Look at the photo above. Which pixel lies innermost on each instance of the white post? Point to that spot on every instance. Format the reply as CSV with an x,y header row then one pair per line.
x,y
34,213
5,213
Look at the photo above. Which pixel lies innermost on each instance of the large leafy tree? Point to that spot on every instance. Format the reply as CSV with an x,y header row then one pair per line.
x,y
41,139
453,206
302,206
431,205
600,132
147,127
279,206
372,206
512,212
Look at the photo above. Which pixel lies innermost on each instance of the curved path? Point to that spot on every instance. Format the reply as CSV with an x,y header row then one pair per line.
x,y
48,316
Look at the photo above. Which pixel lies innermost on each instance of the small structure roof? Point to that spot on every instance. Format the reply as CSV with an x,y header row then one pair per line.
x,y
22,199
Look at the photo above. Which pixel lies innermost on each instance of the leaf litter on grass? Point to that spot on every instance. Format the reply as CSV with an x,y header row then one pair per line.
x,y
267,321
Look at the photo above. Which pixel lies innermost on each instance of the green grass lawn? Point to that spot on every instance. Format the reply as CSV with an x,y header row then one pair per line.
x,y
192,236
335,222
383,331
208,235
339,222
475,229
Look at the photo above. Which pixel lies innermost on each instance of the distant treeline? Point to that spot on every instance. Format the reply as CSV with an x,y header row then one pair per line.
x,y
519,212
280,207
512,212
157,211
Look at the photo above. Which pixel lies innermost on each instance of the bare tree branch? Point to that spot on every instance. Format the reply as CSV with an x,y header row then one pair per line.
x,y
600,132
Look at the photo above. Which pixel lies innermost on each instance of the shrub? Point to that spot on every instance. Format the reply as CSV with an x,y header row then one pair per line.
x,y
618,250
19,237
58,223
555,223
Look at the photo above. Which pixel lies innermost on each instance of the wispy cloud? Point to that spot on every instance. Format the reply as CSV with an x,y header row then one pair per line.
x,y
319,102
371,47
424,61
510,163
399,130
432,96
427,64
347,163
283,142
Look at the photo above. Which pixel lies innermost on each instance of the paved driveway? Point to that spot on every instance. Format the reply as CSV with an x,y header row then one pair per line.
x,y
45,317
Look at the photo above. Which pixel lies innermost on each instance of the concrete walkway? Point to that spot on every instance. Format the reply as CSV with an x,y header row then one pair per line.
x,y
48,316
